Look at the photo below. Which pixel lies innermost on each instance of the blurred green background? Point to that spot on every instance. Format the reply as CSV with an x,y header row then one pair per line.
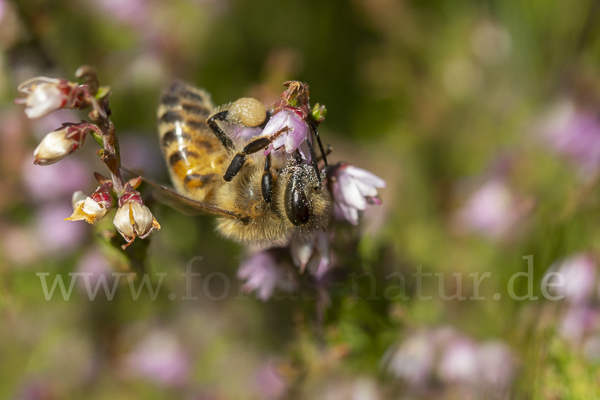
x,y
482,117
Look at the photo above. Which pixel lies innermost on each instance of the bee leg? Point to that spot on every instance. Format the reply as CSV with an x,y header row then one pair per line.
x,y
240,158
314,161
214,126
316,132
267,180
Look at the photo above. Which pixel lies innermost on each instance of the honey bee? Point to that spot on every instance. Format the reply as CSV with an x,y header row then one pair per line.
x,y
259,200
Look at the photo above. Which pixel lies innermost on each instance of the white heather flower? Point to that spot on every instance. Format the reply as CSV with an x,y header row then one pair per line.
x,y
44,95
133,219
53,148
93,208
289,130
353,188
60,143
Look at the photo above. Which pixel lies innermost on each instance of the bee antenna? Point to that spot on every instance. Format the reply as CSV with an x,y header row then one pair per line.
x,y
315,131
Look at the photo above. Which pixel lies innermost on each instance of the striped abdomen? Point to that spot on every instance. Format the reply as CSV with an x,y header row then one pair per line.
x,y
194,156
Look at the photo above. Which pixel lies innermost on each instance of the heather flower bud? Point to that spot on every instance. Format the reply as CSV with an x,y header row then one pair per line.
x,y
60,143
45,95
91,209
353,188
133,219
318,113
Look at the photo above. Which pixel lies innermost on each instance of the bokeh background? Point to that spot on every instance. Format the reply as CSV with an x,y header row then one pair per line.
x,y
482,117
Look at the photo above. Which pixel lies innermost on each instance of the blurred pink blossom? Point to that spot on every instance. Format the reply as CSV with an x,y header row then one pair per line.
x,y
132,12
574,132
459,362
270,384
138,152
160,358
263,274
493,210
496,365
579,274
578,322
2,9
55,235
413,359
93,262
19,245
454,357
56,181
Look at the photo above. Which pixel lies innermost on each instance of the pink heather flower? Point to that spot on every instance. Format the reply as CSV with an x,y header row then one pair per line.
x,y
160,358
91,209
133,219
579,273
289,129
45,95
60,143
263,275
353,188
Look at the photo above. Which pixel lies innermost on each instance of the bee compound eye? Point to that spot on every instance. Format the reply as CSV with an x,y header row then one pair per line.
x,y
296,205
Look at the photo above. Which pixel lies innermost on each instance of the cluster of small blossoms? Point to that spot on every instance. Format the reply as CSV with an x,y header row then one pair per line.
x,y
352,189
441,359
574,281
45,95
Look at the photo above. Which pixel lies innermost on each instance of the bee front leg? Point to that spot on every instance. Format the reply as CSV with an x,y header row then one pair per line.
x,y
240,158
267,180
214,126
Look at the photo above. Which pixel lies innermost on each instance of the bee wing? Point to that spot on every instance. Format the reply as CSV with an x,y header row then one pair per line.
x,y
184,204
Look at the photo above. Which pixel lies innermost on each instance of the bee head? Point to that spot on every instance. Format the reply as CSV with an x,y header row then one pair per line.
x,y
306,200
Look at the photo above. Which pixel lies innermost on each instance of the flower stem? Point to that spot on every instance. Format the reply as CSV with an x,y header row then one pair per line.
x,y
100,116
